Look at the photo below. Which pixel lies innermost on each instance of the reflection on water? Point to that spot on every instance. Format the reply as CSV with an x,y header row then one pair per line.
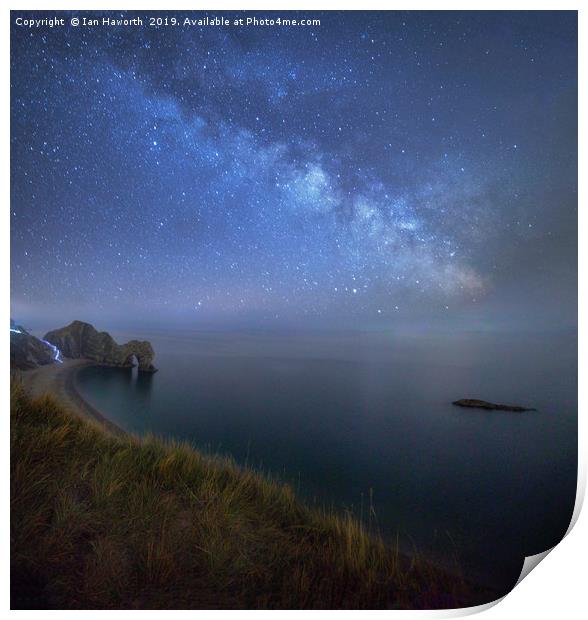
x,y
113,382
130,377
349,416
144,384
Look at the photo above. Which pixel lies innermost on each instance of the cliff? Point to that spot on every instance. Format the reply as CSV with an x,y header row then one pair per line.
x,y
27,351
82,340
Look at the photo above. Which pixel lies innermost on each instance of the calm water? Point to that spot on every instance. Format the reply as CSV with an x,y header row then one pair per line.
x,y
346,416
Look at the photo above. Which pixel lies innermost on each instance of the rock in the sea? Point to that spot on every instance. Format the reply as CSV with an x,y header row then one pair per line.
x,y
483,404
82,340
26,351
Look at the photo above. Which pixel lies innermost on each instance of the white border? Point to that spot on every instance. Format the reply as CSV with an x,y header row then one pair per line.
x,y
556,586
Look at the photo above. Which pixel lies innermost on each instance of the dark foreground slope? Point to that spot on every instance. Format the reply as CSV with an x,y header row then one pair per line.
x,y
100,521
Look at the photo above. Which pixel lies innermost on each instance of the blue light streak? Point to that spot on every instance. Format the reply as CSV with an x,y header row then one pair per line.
x,y
56,352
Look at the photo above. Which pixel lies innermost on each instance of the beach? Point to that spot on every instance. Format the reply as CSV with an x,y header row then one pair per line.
x,y
59,380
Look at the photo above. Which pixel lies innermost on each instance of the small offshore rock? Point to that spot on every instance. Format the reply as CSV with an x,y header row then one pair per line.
x,y
474,403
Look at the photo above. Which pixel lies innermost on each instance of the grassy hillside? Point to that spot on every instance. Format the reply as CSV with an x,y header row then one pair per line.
x,y
107,522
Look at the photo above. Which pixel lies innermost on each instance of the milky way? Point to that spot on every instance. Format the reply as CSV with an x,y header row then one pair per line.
x,y
379,165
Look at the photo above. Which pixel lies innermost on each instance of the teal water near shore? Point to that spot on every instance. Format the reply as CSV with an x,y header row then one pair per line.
x,y
364,422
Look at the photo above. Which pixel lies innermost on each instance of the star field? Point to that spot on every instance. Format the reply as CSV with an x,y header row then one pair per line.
x,y
378,165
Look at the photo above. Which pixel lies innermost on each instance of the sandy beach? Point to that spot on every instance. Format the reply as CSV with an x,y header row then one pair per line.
x,y
59,380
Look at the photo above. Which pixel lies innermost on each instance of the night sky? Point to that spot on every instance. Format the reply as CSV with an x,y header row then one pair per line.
x,y
378,169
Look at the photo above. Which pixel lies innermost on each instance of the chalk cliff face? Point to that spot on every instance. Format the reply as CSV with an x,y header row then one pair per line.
x,y
82,340
26,351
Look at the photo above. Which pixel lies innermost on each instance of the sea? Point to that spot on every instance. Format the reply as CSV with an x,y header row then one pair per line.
x,y
363,422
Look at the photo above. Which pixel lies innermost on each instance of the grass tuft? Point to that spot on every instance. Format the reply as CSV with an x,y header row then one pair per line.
x,y
108,522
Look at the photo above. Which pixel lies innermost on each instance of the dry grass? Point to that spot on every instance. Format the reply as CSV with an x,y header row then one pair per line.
x,y
107,522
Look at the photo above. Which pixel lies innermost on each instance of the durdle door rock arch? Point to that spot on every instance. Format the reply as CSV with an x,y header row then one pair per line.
x,y
82,340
